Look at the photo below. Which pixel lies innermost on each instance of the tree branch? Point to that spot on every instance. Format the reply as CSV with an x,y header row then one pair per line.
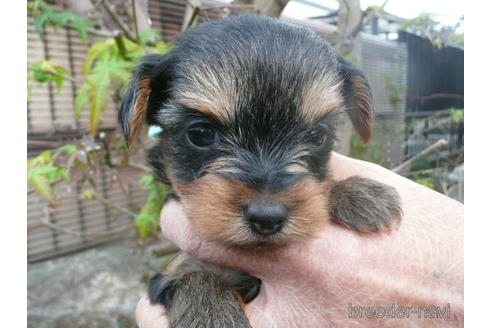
x,y
135,20
191,14
372,12
271,8
103,33
140,167
428,171
193,18
349,18
113,205
413,160
117,19
231,6
116,231
163,249
438,96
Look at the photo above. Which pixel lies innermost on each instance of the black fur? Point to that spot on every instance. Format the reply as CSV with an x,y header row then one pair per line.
x,y
271,71
200,295
261,67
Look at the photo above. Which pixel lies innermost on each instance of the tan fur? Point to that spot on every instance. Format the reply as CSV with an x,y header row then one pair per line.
x,y
139,110
203,105
321,97
362,114
207,91
215,206
297,168
217,99
308,201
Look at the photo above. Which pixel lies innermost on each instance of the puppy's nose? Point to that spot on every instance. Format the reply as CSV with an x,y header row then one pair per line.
x,y
266,219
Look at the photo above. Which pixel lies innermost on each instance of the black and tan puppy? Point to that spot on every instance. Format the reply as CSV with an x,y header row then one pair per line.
x,y
249,108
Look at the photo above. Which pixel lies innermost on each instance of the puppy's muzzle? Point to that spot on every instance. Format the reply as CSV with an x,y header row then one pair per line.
x,y
266,218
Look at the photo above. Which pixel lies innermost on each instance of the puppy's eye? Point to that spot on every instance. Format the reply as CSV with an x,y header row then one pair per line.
x,y
317,136
202,135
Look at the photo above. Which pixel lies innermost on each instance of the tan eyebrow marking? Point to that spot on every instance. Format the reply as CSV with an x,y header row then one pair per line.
x,y
204,106
320,97
209,91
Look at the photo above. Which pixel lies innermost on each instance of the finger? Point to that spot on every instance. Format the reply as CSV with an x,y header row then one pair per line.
x,y
149,315
176,227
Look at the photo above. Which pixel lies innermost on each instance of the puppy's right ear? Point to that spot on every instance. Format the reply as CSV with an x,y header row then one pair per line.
x,y
134,108
358,99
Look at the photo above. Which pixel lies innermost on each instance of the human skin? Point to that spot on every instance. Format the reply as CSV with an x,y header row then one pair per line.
x,y
312,283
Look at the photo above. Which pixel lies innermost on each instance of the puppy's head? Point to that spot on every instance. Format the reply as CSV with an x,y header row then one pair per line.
x,y
248,108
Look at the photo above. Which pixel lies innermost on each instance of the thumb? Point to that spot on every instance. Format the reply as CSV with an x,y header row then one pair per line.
x,y
177,228
149,315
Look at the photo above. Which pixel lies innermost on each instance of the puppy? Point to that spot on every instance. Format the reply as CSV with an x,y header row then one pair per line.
x,y
249,108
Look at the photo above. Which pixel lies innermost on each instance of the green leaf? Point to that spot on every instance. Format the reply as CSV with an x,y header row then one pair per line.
x,y
45,15
82,25
147,180
88,194
43,186
46,71
147,225
424,182
43,177
59,82
43,170
133,50
40,20
147,222
57,173
94,52
457,116
34,7
42,159
99,96
82,99
101,81
150,36
45,156
63,18
29,94
69,149
61,70
163,47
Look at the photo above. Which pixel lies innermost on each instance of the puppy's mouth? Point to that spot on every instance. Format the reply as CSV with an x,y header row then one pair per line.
x,y
235,215
265,231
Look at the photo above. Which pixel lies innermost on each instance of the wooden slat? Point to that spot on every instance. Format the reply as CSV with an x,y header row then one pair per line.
x,y
96,218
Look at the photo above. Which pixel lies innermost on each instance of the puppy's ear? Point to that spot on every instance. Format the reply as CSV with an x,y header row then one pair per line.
x,y
358,99
135,105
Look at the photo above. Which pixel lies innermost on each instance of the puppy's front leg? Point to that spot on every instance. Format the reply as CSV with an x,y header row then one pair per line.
x,y
365,205
201,295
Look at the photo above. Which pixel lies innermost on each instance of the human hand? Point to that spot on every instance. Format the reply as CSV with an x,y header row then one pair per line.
x,y
323,282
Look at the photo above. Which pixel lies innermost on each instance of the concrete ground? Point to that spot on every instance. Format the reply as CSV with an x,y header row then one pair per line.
x,y
96,288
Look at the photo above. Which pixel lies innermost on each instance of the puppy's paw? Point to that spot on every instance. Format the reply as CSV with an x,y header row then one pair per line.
x,y
197,299
365,205
246,285
161,289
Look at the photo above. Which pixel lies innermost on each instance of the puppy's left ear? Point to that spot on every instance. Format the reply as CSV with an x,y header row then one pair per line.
x,y
358,99
134,108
